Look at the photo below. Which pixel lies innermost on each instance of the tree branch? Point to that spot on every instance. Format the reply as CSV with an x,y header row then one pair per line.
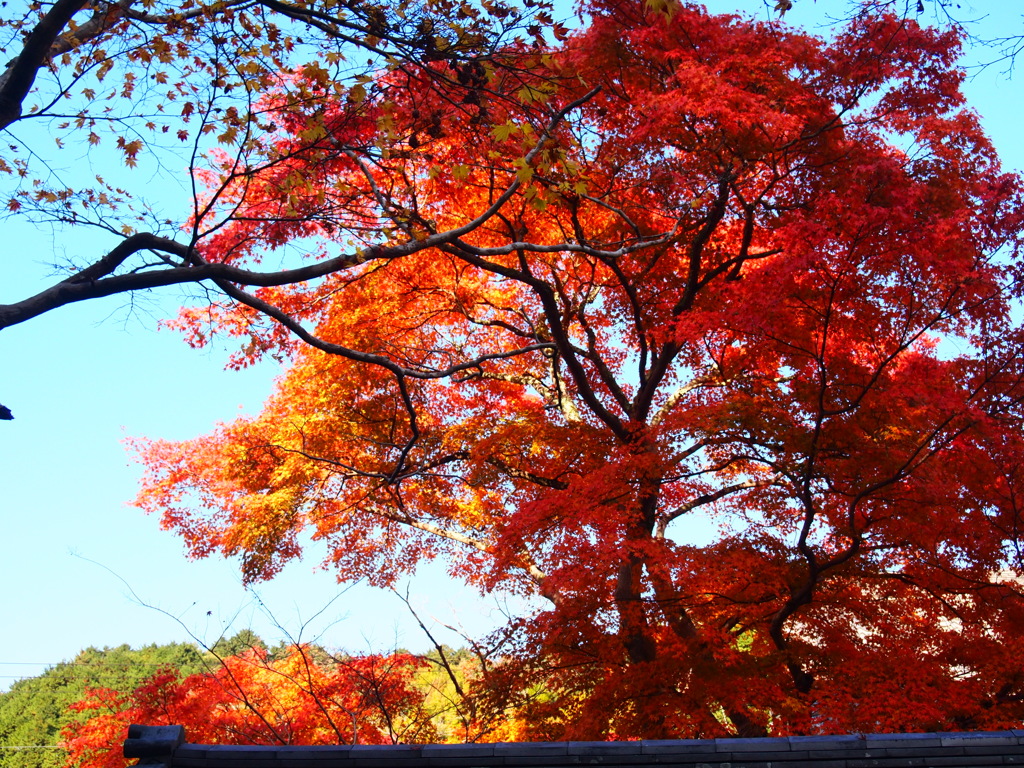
x,y
17,80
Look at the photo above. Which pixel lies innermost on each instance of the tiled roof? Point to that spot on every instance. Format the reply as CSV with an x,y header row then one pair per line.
x,y
166,745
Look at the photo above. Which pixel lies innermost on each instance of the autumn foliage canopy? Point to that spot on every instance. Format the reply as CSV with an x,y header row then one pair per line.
x,y
670,267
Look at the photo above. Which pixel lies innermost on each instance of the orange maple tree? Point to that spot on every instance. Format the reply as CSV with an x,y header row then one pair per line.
x,y
296,697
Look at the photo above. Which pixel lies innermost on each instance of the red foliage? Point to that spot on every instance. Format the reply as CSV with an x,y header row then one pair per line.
x,y
254,699
702,267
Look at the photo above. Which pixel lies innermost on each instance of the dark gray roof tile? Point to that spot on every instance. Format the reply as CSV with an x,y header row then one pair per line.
x,y
752,745
849,741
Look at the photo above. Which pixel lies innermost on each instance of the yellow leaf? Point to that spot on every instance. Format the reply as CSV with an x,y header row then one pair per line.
x,y
666,8
502,132
357,94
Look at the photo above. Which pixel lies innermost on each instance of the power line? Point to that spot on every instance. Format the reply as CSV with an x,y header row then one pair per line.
x,y
75,663
65,679
32,746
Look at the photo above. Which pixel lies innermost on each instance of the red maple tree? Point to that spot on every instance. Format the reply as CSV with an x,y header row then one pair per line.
x,y
299,697
679,266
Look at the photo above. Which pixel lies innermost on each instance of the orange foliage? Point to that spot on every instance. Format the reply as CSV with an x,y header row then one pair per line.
x,y
673,268
255,699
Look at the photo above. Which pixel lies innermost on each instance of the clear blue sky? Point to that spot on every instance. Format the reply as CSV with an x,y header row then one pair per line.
x,y
82,378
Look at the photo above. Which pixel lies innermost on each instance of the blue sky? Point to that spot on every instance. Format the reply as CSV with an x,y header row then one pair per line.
x,y
75,559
